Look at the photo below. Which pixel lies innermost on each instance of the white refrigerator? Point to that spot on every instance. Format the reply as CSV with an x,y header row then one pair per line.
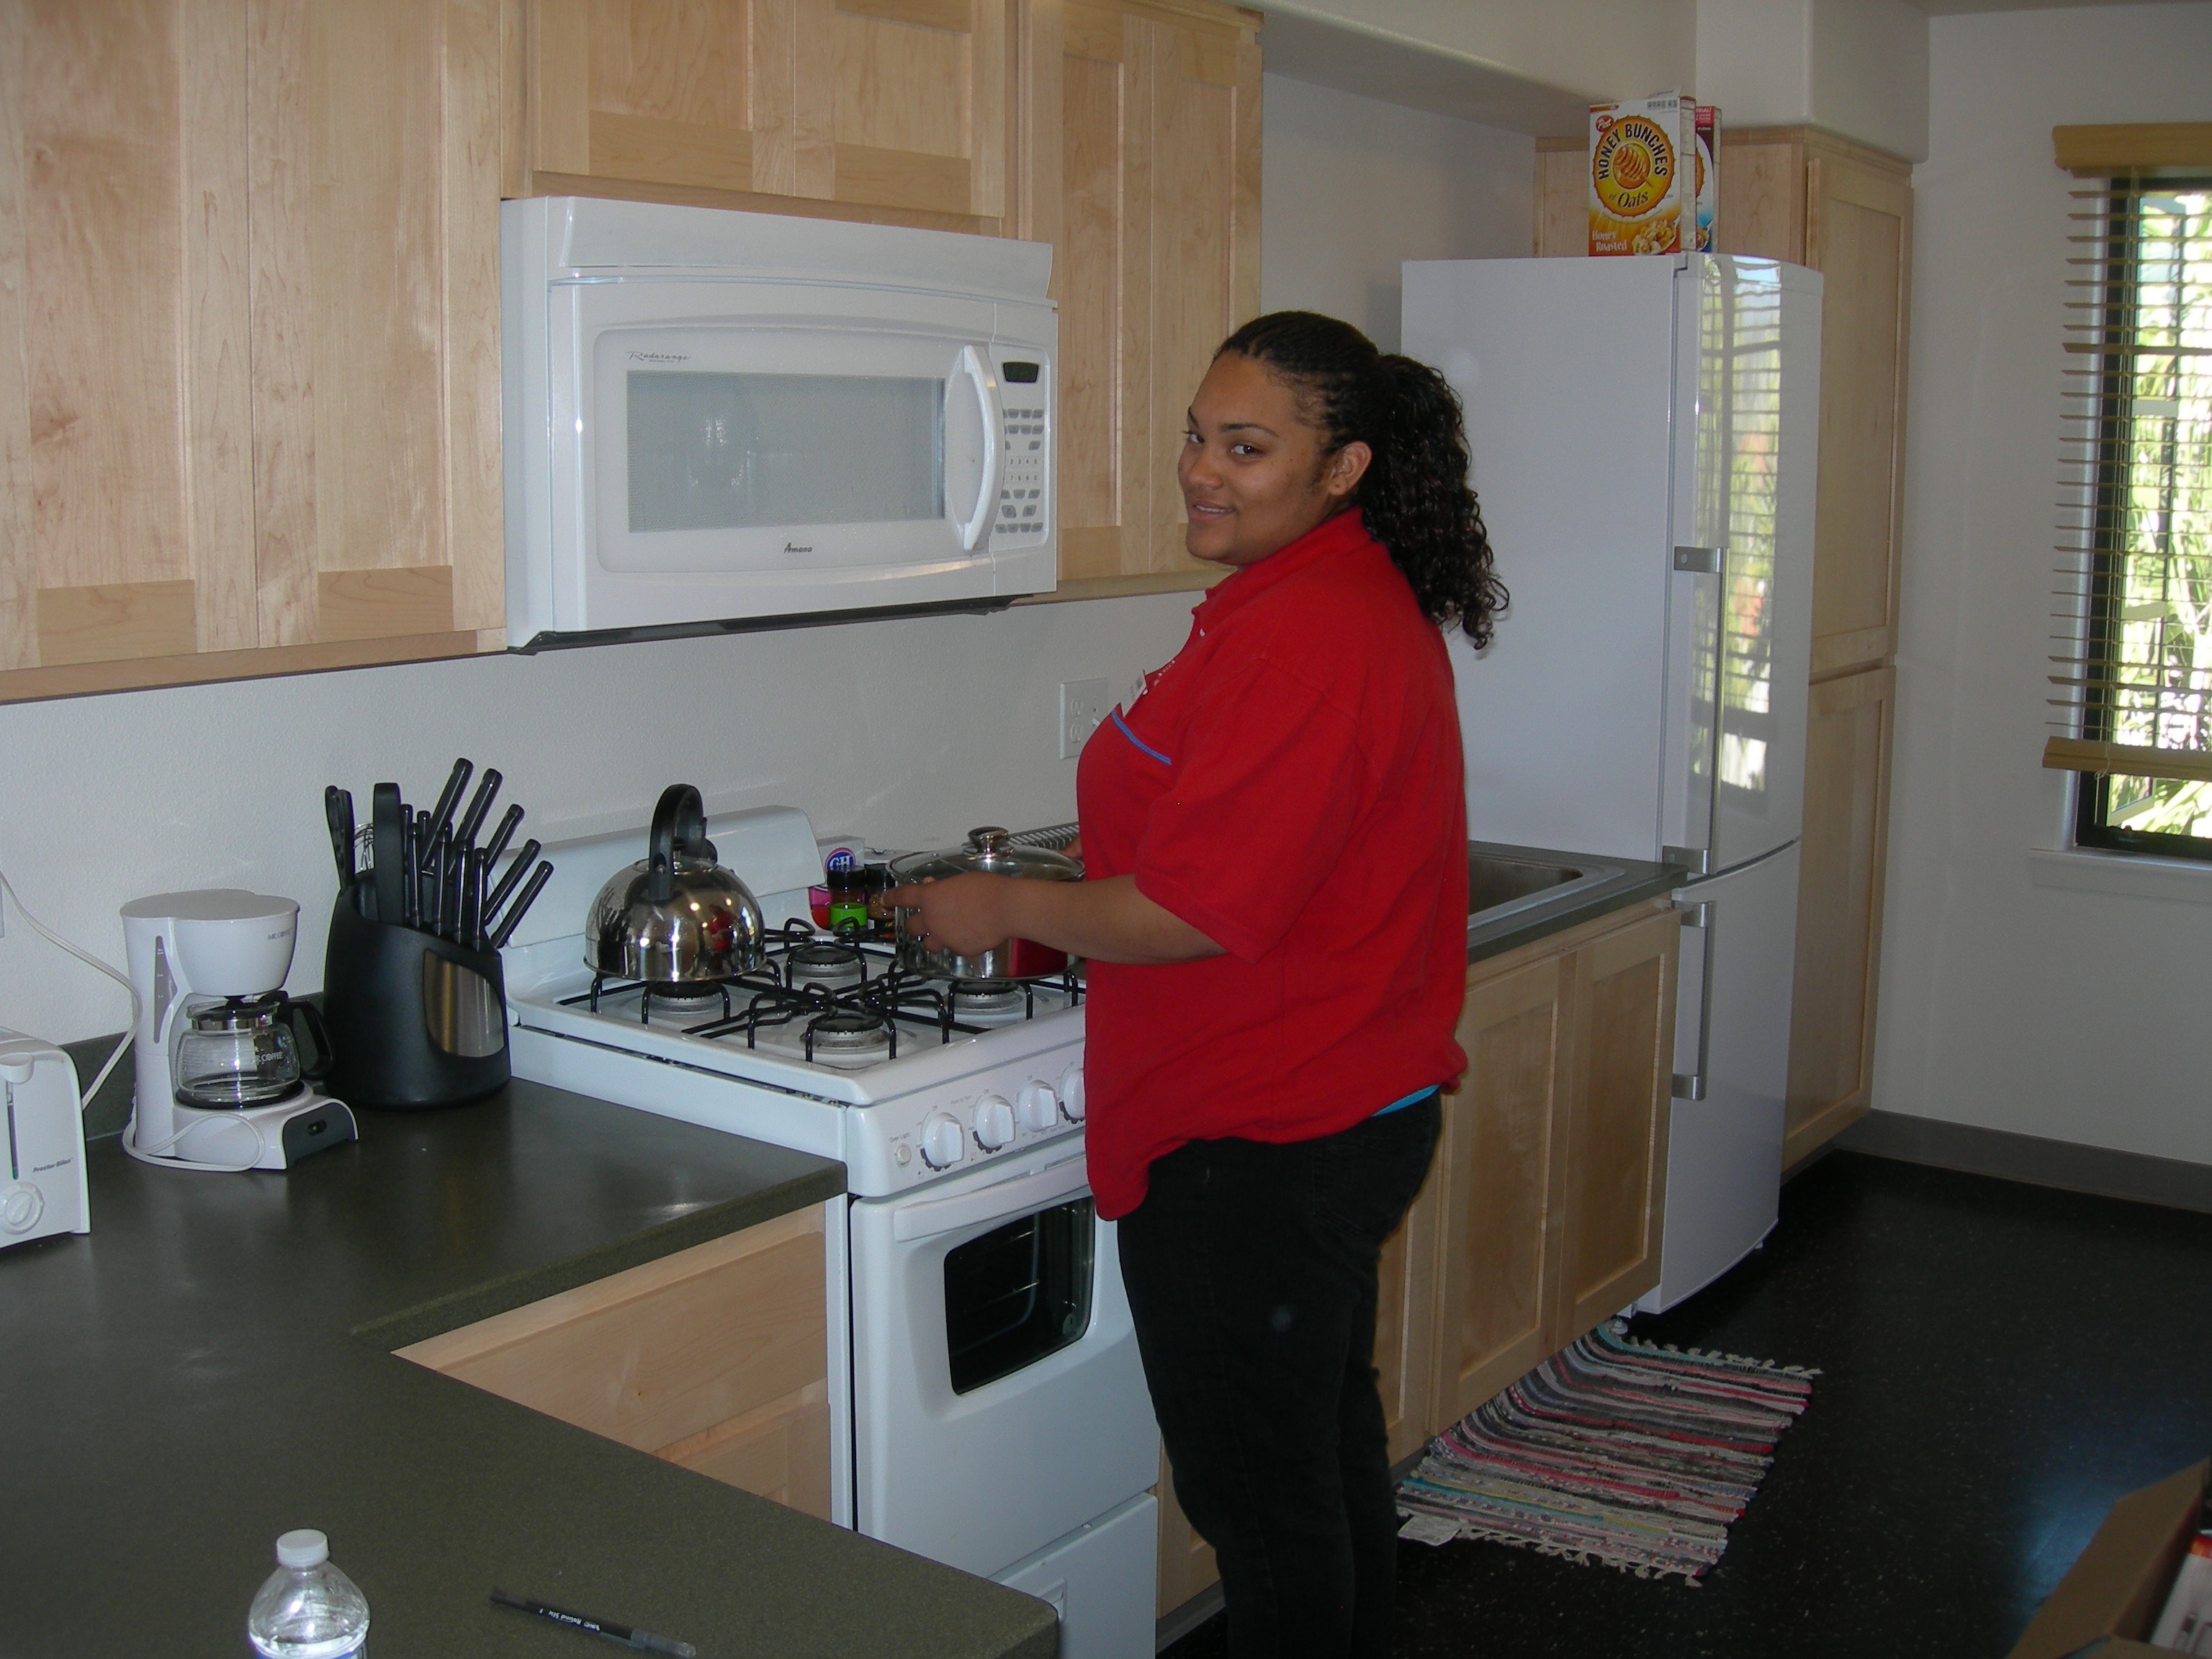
x,y
1645,433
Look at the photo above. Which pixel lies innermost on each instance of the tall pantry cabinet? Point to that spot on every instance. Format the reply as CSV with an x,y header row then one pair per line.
x,y
249,366
1845,210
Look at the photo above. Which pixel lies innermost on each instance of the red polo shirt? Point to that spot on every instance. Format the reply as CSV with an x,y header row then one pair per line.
x,y
1289,785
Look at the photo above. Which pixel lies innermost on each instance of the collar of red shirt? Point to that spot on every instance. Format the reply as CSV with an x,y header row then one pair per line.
x,y
1343,533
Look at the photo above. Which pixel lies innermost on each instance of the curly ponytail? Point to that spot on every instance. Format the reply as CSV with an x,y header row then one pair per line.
x,y
1415,495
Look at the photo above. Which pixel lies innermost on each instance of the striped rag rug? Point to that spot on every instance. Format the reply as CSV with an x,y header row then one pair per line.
x,y
1613,1450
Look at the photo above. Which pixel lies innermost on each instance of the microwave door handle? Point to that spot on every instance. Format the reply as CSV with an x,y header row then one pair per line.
x,y
977,369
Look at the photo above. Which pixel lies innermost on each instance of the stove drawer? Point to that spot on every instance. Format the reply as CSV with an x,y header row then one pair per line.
x,y
715,1358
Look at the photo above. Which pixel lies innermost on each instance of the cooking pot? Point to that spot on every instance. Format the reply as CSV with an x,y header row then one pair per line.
x,y
990,851
676,916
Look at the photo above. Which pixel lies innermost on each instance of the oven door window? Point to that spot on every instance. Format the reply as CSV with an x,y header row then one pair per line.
x,y
1018,1293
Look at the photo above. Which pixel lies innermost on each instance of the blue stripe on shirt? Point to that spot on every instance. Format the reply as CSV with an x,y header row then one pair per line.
x,y
1413,1099
1139,741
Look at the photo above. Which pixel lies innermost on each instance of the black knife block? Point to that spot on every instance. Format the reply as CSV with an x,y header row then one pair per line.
x,y
415,1019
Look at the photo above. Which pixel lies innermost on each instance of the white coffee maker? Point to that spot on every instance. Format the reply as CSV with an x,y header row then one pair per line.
x,y
220,1085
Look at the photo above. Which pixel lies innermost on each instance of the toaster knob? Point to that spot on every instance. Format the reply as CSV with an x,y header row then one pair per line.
x,y
1038,1106
1071,1093
994,1123
944,1143
20,1207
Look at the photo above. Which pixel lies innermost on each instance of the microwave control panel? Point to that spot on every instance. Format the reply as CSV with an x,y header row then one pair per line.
x,y
1024,509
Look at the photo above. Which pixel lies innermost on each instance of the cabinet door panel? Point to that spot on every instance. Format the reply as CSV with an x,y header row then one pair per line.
x,y
1617,1139
715,1359
248,278
1857,233
1404,1359
1840,906
1187,1564
1155,213
1502,1177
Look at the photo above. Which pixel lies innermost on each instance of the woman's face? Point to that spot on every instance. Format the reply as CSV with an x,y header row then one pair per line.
x,y
1254,474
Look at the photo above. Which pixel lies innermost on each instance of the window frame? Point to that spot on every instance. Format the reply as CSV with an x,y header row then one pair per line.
x,y
2118,269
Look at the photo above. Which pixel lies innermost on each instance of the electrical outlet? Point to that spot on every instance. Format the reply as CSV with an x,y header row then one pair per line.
x,y
1082,709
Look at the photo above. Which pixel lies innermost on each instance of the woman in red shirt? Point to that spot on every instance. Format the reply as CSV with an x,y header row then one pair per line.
x,y
1274,837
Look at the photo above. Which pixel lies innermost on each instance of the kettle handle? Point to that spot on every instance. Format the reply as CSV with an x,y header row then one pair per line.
x,y
679,825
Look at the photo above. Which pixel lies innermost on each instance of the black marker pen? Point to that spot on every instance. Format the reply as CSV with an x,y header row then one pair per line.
x,y
642,1641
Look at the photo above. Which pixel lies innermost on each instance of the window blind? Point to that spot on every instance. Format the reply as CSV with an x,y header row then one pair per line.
x,y
2131,660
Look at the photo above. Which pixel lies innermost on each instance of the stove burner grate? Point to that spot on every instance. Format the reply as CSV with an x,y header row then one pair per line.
x,y
849,991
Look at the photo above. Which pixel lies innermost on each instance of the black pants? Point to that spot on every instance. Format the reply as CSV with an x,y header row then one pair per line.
x,y
1251,1275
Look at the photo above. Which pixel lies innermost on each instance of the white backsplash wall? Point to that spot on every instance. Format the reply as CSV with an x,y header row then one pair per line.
x,y
910,731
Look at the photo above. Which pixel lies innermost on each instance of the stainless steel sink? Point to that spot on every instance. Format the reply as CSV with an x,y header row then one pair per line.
x,y
1500,884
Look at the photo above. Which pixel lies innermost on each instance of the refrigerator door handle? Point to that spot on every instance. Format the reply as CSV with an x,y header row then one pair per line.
x,y
1699,914
1703,561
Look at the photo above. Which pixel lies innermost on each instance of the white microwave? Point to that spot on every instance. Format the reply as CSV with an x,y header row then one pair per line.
x,y
718,419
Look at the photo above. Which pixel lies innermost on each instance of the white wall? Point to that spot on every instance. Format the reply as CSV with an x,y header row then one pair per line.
x,y
1596,48
2008,1000
1350,186
1858,68
911,731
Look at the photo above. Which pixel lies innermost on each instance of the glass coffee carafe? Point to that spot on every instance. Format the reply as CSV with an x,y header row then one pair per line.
x,y
236,1051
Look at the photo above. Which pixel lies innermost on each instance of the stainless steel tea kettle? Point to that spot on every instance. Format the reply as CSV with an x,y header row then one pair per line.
x,y
676,916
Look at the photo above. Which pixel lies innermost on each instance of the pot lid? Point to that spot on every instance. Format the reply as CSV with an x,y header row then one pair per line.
x,y
992,851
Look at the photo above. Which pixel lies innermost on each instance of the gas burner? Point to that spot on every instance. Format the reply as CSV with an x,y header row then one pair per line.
x,y
989,1001
830,964
684,994
848,1039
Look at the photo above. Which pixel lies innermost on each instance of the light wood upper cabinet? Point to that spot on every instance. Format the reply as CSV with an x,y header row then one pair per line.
x,y
249,372
889,109
1840,895
1141,147
715,1358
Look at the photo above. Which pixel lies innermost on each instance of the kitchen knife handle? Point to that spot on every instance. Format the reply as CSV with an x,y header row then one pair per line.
x,y
386,851
442,815
479,804
338,810
515,872
509,822
471,932
523,900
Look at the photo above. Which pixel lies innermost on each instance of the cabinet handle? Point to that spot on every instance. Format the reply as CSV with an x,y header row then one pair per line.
x,y
1699,914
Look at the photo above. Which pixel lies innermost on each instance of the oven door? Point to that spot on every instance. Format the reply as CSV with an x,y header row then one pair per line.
x,y
998,1403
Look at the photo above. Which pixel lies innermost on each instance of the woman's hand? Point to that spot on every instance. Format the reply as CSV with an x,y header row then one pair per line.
x,y
1105,920
964,914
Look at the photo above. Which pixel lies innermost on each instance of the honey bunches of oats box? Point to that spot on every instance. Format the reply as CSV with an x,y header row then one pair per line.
x,y
1640,175
1707,188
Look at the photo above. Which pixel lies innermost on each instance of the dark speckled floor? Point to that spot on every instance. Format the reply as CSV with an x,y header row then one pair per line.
x,y
2001,1361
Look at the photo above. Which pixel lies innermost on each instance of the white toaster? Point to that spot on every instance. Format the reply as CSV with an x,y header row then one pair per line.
x,y
42,1189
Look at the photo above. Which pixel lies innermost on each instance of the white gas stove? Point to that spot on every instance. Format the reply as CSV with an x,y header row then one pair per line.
x,y
905,1079
986,1402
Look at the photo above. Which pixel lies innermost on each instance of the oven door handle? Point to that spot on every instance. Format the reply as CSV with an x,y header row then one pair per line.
x,y
1007,1201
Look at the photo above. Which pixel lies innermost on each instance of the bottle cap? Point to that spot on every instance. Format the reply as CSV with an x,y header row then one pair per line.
x,y
305,1548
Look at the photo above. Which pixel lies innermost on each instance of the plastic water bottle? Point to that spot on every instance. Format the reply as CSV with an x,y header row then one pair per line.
x,y
307,1609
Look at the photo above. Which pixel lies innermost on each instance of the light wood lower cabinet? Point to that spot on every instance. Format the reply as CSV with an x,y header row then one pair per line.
x,y
1540,1217
715,1359
1839,891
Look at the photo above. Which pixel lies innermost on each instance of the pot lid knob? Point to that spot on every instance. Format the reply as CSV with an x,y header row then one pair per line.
x,y
991,838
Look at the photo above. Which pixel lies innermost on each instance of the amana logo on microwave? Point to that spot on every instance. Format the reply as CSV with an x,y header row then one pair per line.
x,y
793,547
659,357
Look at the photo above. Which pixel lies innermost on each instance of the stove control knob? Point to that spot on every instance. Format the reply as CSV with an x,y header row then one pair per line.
x,y
1071,1093
944,1143
994,1123
1038,1106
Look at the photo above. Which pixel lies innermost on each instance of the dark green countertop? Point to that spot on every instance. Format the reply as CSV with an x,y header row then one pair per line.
x,y
1637,882
204,1371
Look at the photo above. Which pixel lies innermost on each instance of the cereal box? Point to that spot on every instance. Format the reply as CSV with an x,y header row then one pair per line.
x,y
1708,188
1640,185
